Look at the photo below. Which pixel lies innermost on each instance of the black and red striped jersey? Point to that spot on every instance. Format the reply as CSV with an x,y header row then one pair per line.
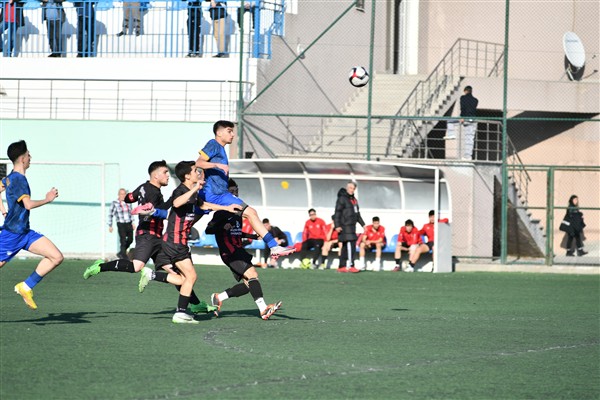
x,y
227,228
181,219
148,193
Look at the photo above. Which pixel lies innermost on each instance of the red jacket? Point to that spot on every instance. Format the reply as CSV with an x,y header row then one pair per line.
x,y
428,229
247,228
374,235
316,229
414,237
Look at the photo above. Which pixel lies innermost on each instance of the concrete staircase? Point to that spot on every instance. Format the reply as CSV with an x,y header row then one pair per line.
x,y
347,137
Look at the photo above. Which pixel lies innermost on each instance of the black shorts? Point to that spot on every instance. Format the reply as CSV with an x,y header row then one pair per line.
x,y
176,252
430,245
146,247
238,263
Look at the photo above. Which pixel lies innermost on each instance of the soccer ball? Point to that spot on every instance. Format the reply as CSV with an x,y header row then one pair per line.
x,y
359,76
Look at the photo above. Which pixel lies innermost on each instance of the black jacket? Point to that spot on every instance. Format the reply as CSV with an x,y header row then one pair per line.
x,y
347,214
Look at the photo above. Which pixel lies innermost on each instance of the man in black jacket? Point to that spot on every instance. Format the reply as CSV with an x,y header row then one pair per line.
x,y
347,214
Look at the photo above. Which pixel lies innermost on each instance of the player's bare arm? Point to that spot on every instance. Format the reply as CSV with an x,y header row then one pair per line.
x,y
205,164
31,204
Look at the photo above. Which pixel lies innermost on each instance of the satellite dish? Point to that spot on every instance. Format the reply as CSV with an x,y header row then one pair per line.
x,y
574,56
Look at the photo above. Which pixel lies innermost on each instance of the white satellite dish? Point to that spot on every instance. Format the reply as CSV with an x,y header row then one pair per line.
x,y
574,56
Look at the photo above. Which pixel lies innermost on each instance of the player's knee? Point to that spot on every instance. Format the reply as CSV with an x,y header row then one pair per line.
x,y
57,258
249,212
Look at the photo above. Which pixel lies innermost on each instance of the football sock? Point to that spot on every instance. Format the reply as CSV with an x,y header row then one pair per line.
x,y
33,280
193,298
118,266
270,240
262,306
182,303
255,289
161,276
411,264
397,262
236,291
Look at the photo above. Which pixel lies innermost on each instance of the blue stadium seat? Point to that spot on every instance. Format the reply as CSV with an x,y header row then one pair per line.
x,y
289,238
256,244
391,245
209,241
298,239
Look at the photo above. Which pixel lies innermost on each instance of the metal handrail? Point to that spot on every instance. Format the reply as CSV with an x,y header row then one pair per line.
x,y
434,84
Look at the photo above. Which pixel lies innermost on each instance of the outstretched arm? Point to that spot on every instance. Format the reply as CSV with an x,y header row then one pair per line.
x,y
31,204
205,164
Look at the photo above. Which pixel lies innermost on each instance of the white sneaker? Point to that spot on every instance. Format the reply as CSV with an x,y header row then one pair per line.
x,y
406,267
376,266
279,251
183,318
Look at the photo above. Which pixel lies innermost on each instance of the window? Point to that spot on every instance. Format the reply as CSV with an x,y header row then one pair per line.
x,y
324,191
379,194
250,191
284,192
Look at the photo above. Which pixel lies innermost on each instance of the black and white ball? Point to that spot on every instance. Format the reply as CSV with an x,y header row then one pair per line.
x,y
359,76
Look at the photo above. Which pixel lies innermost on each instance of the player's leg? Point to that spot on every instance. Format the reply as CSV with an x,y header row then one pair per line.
x,y
186,268
351,248
317,252
255,288
343,267
362,251
378,250
51,258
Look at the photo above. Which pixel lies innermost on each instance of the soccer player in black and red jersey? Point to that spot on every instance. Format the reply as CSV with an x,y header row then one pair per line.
x,y
148,243
184,213
227,228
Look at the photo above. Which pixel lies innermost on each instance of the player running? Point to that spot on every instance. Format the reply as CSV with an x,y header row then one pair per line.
x,y
16,235
184,213
227,228
148,243
213,160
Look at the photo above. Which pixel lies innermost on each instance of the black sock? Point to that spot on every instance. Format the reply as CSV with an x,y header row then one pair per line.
x,y
255,289
397,261
194,299
238,290
411,264
182,304
161,276
120,265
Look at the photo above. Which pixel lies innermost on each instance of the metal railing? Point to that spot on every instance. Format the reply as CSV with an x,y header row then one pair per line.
x,y
465,58
137,100
167,28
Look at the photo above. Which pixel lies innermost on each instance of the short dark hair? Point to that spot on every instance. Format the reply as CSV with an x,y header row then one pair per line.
x,y
312,210
409,222
375,219
183,168
431,212
468,88
16,150
156,165
222,124
265,220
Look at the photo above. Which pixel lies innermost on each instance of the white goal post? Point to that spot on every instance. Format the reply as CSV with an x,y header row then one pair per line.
x,y
77,220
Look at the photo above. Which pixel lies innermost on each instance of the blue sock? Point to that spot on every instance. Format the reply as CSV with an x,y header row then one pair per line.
x,y
33,280
270,240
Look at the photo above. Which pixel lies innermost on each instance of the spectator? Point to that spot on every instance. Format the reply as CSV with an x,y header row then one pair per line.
x,y
86,28
54,15
249,6
194,27
573,225
331,243
12,20
313,237
131,11
121,211
468,110
218,14
409,239
373,238
280,238
347,215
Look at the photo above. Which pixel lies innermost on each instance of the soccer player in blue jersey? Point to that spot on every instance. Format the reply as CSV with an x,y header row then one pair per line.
x,y
213,160
16,234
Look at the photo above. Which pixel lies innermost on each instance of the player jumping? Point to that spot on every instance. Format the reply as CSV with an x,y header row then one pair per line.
x,y
213,160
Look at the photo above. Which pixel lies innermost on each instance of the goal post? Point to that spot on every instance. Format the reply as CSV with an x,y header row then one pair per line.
x,y
77,221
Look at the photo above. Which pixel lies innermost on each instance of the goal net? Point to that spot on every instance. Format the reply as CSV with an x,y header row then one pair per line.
x,y
76,221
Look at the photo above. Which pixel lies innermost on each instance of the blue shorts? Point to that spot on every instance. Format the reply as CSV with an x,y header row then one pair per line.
x,y
12,243
224,199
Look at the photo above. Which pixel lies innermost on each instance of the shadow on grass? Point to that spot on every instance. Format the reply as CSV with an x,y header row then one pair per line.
x,y
61,318
255,314
400,309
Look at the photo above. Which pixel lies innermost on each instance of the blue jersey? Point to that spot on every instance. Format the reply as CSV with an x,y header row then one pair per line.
x,y
216,179
17,188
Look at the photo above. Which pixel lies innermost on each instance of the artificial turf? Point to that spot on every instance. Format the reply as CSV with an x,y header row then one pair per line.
x,y
363,336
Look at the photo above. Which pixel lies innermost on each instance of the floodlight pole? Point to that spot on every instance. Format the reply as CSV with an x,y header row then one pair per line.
x,y
370,99
240,120
504,201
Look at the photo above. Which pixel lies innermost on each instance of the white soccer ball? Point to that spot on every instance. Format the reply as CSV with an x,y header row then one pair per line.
x,y
359,76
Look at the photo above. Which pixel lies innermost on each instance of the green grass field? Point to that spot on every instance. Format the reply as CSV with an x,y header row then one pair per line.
x,y
364,336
